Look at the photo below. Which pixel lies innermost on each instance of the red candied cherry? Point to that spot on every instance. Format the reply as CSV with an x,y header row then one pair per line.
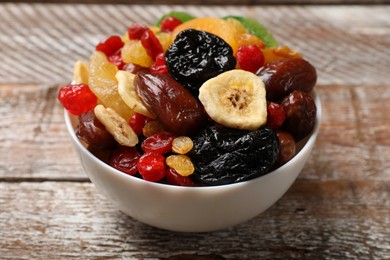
x,y
77,98
159,143
174,178
125,159
152,166
136,30
169,24
138,121
159,65
151,44
110,46
250,57
275,115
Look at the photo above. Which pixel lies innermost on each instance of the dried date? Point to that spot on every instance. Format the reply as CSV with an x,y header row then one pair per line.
x,y
172,104
281,77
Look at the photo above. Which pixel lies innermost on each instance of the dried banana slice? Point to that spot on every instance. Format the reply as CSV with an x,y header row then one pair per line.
x,y
235,99
80,73
127,92
116,126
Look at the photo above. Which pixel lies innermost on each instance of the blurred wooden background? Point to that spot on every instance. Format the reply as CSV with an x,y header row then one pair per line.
x,y
214,2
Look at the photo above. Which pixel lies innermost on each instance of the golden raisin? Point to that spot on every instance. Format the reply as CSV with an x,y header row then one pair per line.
x,y
182,145
181,164
152,127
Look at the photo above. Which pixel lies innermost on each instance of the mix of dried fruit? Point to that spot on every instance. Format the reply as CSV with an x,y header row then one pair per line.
x,y
193,101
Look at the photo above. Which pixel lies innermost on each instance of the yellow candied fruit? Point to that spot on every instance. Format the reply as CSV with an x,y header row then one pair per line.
x,y
80,73
181,164
278,53
104,85
250,39
182,145
152,127
164,39
218,26
134,52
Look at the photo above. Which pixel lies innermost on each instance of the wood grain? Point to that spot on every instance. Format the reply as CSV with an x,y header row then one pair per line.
x,y
347,44
340,220
30,150
337,209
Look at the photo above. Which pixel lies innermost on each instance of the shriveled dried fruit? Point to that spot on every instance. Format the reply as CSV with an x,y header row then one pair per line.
x,y
181,164
125,159
224,155
138,122
92,132
152,127
275,115
173,178
301,112
129,96
182,145
77,98
281,77
287,147
159,143
152,166
116,125
80,73
172,104
196,56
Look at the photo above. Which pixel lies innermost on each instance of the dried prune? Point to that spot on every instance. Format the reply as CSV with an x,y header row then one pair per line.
x,y
224,155
196,56
281,77
301,112
172,104
92,132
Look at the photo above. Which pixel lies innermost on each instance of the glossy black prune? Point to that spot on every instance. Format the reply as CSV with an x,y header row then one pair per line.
x,y
224,155
196,56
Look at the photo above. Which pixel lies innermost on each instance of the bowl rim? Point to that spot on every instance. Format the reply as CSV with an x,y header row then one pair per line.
x,y
309,143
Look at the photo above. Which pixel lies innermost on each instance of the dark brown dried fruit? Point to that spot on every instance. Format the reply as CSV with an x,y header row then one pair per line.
x,y
301,112
196,56
287,147
172,104
92,132
224,155
281,77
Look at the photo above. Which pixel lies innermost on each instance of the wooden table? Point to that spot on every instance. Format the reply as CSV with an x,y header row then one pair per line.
x,y
339,208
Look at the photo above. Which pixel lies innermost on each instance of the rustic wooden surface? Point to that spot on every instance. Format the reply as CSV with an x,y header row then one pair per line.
x,y
339,208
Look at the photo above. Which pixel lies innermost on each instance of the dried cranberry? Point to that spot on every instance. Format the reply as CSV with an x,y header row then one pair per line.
x,y
137,122
151,166
110,46
174,178
77,98
159,65
125,159
169,24
151,44
159,143
250,57
92,132
136,30
275,115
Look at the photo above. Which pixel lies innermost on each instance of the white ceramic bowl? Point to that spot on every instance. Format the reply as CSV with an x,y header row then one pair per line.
x,y
192,209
